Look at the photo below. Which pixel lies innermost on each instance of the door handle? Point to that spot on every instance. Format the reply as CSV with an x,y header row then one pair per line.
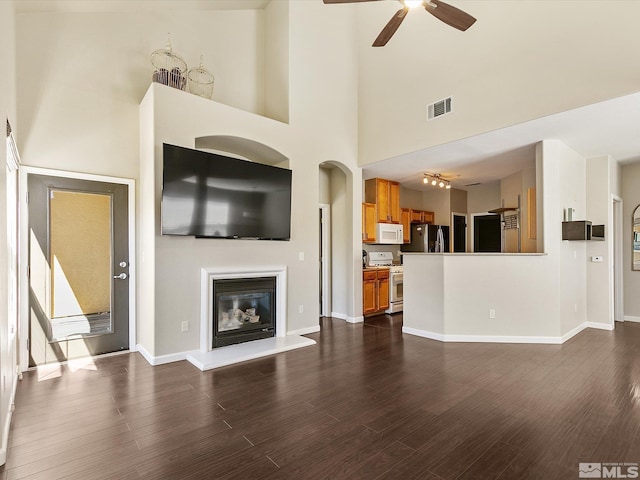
x,y
122,276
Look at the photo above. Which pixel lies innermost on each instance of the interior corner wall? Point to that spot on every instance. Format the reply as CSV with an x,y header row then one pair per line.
x,y
410,198
438,201
276,60
564,179
599,212
83,75
8,362
482,198
630,189
340,251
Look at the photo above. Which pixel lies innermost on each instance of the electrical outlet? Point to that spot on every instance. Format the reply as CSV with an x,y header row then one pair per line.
x,y
492,313
300,308
185,326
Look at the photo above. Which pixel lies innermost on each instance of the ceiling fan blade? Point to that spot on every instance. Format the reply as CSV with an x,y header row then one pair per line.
x,y
449,14
390,28
349,1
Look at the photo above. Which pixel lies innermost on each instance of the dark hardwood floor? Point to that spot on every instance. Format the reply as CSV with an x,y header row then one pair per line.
x,y
366,402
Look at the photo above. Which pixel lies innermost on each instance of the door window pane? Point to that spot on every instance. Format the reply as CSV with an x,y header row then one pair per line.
x,y
80,258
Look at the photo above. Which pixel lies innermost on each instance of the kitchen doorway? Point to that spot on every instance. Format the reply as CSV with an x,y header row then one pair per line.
x,y
459,234
487,233
325,260
78,251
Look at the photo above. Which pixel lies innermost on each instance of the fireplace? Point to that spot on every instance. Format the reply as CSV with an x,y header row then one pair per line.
x,y
244,309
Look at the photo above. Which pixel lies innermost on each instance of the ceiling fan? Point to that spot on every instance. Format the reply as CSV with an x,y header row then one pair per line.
x,y
449,14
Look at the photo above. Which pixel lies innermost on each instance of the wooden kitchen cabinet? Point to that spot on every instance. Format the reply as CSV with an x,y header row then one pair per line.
x,y
368,222
428,217
421,216
405,214
375,291
383,289
385,194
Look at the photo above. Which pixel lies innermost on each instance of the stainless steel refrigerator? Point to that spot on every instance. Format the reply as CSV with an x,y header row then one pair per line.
x,y
427,238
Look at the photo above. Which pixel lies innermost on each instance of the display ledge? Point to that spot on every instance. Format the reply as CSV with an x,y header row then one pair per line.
x,y
476,254
241,352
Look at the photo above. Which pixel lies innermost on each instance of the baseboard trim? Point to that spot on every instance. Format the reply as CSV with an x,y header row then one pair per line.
x,y
304,331
506,338
424,334
631,318
573,332
347,318
480,338
162,359
7,423
600,326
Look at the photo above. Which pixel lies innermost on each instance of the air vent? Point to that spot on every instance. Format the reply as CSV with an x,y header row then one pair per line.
x,y
439,108
473,184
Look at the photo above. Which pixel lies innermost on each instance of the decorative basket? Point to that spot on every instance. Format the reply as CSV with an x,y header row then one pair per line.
x,y
201,81
169,68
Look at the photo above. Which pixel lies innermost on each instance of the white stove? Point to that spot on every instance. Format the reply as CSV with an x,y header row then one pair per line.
x,y
385,260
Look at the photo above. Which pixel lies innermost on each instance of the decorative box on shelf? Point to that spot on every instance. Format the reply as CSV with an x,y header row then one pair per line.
x,y
582,230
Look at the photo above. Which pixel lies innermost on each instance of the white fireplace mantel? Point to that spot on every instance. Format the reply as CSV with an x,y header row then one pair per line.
x,y
207,357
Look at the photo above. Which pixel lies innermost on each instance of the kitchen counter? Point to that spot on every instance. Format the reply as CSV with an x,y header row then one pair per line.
x,y
485,297
476,254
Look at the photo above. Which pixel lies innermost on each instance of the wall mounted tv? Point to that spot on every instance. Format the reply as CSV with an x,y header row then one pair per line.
x,y
214,196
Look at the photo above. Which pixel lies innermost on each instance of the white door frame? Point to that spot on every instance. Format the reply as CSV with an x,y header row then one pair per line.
x,y
466,230
325,259
23,327
616,282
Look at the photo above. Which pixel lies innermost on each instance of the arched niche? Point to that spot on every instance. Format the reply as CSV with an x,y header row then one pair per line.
x,y
242,147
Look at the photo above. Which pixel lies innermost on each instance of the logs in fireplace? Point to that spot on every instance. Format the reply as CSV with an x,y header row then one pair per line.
x,y
244,309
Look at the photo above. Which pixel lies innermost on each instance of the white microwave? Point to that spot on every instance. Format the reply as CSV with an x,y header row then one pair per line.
x,y
389,233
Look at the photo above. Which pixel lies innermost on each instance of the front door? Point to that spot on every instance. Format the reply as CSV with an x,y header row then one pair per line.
x,y
78,268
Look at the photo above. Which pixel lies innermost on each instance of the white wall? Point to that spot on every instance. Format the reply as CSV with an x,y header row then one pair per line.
x,y
507,58
438,201
536,298
410,198
82,76
630,181
323,115
482,198
7,111
276,60
600,186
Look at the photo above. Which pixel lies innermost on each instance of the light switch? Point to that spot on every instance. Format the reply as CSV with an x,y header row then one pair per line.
x,y
301,256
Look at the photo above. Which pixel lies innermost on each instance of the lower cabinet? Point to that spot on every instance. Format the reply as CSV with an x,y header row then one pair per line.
x,y
375,291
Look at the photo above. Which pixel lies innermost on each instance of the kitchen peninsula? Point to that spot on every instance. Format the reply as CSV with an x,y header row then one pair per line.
x,y
490,297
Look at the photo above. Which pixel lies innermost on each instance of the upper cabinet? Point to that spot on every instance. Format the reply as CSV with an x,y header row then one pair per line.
x,y
368,222
385,194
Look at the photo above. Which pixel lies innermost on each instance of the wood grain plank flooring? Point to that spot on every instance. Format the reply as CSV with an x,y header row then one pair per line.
x,y
365,402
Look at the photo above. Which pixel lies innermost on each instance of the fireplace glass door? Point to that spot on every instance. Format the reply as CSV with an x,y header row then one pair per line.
x,y
243,310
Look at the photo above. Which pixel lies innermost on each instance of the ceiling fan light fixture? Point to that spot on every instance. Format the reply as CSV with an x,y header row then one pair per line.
x,y
425,179
448,186
413,3
434,182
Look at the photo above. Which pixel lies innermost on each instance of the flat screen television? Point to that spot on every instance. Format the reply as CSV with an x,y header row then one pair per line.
x,y
209,195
